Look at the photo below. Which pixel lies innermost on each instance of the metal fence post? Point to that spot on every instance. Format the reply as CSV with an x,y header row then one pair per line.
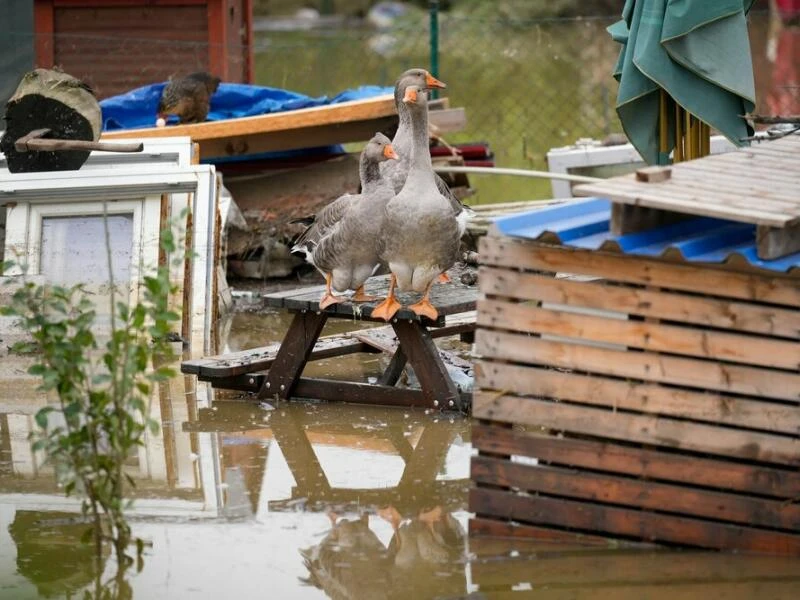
x,y
433,9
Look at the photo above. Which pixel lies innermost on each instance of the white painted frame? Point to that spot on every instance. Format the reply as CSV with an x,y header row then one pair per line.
x,y
28,196
157,153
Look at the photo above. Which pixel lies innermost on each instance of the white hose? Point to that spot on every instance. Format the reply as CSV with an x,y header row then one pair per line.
x,y
516,172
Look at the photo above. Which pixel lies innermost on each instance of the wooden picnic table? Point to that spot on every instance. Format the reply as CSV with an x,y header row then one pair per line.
x,y
408,338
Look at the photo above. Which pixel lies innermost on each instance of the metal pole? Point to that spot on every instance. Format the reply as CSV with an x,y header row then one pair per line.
x,y
433,9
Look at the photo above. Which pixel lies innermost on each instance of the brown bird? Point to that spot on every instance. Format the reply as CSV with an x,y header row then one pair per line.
x,y
188,97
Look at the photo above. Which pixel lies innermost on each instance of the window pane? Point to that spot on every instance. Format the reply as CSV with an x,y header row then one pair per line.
x,y
74,251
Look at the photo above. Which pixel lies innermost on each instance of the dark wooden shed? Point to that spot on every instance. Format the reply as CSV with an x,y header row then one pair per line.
x,y
118,45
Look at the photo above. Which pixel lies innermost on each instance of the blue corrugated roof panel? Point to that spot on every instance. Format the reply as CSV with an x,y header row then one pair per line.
x,y
585,224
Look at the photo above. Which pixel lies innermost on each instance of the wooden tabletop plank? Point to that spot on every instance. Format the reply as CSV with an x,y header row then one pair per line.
x,y
449,299
756,185
700,190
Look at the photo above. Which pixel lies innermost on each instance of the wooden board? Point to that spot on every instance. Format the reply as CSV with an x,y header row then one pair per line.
x,y
376,339
353,121
629,395
689,341
659,304
644,366
558,568
449,299
759,202
648,463
711,280
639,493
571,514
641,428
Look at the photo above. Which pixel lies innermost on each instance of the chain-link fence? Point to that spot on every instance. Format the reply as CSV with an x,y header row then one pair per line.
x,y
526,85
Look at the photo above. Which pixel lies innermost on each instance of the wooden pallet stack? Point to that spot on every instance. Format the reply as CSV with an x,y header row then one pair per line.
x,y
647,399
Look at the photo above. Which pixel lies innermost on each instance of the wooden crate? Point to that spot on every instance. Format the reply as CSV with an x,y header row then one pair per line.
x,y
661,400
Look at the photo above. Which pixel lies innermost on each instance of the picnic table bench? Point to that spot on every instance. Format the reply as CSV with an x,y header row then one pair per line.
x,y
275,371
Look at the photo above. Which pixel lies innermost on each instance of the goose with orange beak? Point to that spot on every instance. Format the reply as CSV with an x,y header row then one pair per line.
x,y
343,242
421,234
397,171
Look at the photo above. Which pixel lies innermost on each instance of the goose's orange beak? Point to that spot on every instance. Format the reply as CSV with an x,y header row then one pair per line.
x,y
389,152
410,96
432,82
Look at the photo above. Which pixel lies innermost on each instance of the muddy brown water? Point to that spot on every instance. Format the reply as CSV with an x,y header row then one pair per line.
x,y
238,499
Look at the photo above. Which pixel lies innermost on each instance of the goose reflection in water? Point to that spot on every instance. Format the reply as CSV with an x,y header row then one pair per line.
x,y
423,558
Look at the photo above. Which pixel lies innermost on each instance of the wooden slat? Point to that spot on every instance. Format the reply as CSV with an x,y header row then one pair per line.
x,y
775,289
732,173
638,493
774,242
698,310
645,366
774,590
656,337
655,568
743,164
502,529
358,393
258,359
585,516
627,218
688,202
367,340
304,128
450,299
688,191
646,429
650,464
640,397
719,189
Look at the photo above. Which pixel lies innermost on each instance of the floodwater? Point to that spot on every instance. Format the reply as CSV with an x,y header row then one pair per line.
x,y
238,499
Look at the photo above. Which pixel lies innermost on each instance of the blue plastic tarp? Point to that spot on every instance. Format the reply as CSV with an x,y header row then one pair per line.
x,y
137,108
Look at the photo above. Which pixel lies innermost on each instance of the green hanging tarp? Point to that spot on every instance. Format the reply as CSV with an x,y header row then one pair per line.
x,y
696,50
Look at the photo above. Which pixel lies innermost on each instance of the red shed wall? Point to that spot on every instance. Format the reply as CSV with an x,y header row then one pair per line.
x,y
117,45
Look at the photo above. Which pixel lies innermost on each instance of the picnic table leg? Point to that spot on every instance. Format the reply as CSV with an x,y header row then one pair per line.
x,y
392,373
417,343
306,469
419,474
296,347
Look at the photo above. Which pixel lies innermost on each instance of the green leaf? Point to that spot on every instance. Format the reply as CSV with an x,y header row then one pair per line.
x,y
37,369
72,409
41,416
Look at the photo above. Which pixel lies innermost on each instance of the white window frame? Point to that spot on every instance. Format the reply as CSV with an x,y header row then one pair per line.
x,y
70,192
